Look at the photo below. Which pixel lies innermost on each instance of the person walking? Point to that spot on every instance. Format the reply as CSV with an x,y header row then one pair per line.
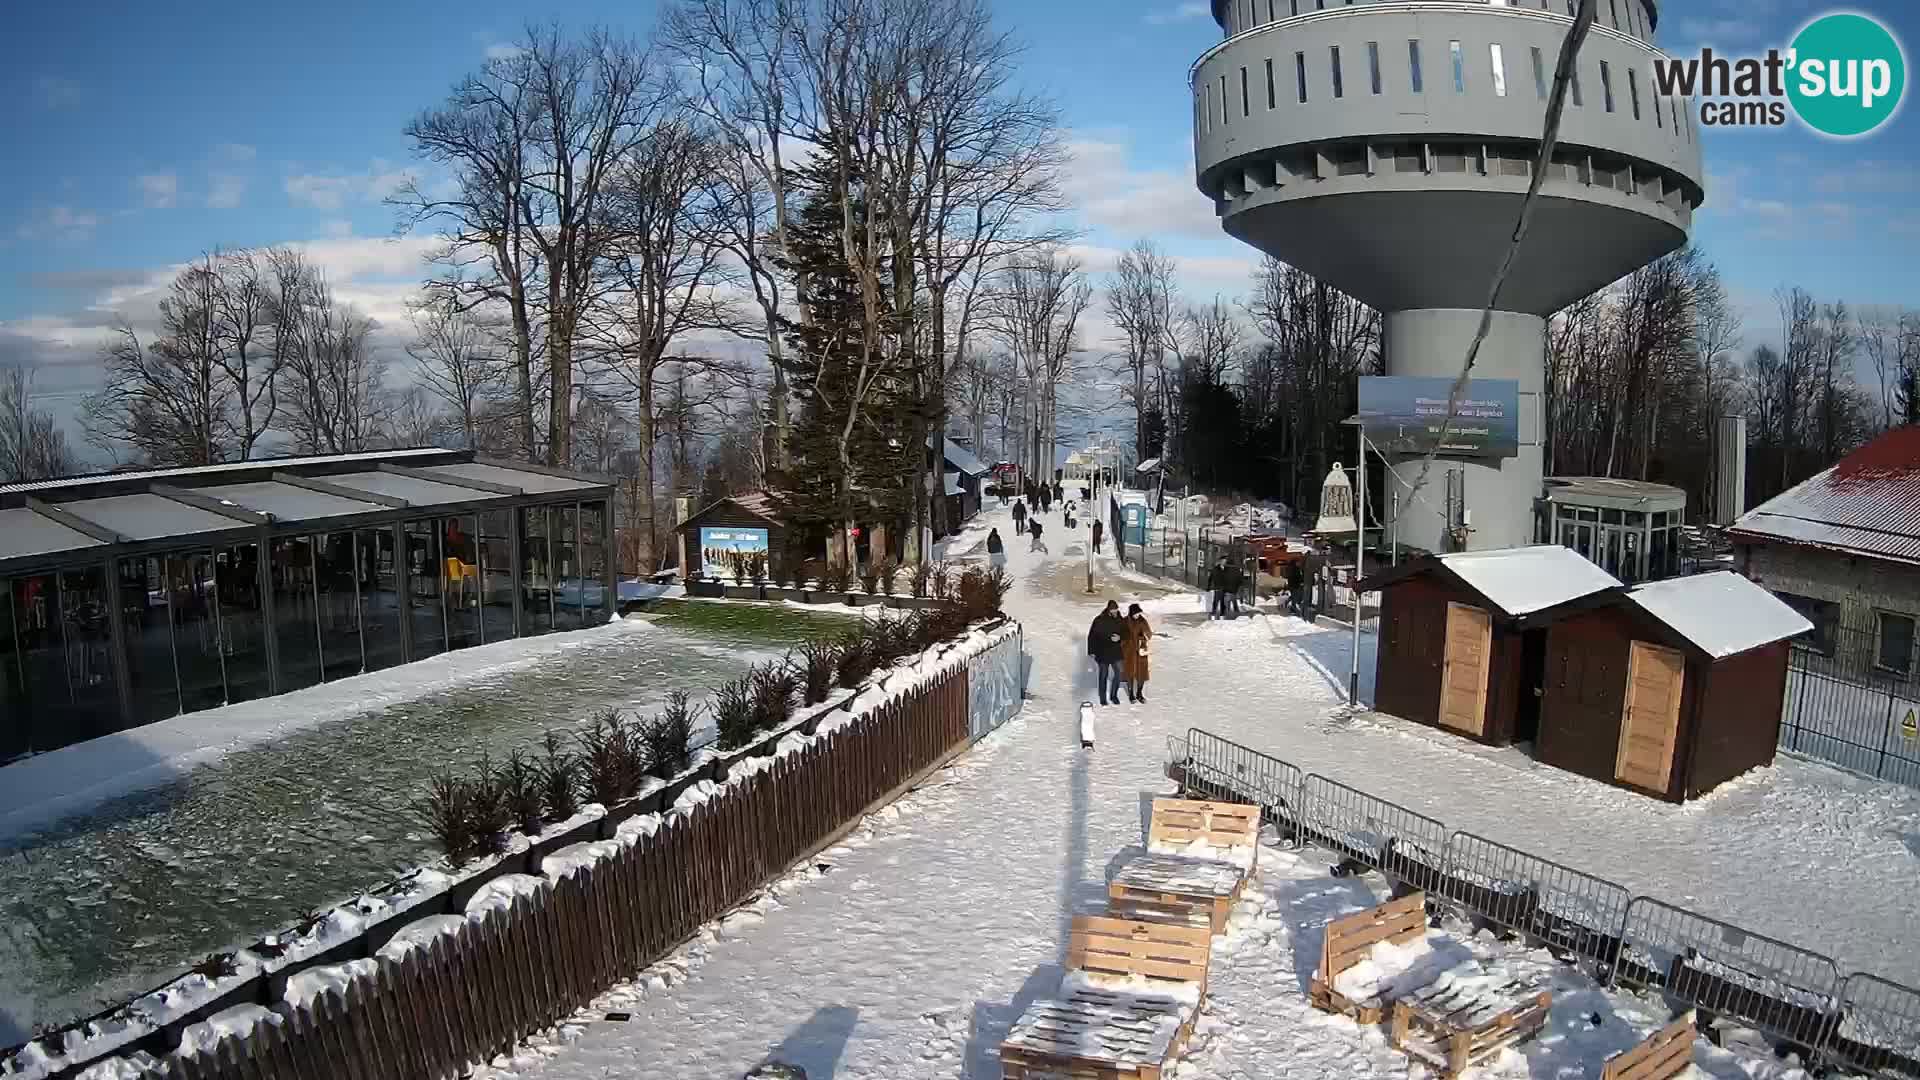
x,y
1019,516
1106,640
1133,665
996,550
1217,585
1033,527
1096,535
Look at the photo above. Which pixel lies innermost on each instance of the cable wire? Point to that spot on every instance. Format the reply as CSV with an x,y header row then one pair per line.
x,y
1563,72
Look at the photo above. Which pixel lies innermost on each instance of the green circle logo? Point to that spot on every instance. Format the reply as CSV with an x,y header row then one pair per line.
x,y
1847,74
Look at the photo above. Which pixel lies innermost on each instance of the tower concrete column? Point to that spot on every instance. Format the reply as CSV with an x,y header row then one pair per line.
x,y
1499,492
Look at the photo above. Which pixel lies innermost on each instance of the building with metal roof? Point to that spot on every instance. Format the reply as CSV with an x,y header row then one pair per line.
x,y
133,597
1629,528
1843,548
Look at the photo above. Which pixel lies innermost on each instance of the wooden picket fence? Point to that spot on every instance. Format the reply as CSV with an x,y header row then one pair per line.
x,y
466,997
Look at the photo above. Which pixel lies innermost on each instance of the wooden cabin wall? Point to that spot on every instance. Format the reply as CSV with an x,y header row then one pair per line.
x,y
1406,679
1738,724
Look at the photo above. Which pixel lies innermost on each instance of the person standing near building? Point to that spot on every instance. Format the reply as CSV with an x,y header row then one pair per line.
x,y
1106,644
1217,587
1134,663
1019,516
1096,534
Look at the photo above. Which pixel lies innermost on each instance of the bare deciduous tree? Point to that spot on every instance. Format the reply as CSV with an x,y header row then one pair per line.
x,y
332,390
166,399
1036,310
454,361
32,446
1140,303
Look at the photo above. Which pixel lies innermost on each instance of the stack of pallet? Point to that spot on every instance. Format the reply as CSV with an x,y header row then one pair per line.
x,y
1137,978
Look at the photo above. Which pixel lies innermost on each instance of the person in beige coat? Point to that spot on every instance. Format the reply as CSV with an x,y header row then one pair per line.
x,y
1133,661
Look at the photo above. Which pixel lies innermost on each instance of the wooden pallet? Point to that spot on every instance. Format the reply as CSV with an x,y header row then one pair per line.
x,y
1452,1028
1123,1033
1348,941
1177,913
1172,882
1230,829
1660,1056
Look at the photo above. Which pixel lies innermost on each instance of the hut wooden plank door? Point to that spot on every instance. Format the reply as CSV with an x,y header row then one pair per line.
x,y
1463,671
1650,718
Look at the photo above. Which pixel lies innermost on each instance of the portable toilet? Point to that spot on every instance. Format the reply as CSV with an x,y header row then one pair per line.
x,y
1135,511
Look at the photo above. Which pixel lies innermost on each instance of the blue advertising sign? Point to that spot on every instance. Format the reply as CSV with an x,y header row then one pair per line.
x,y
719,546
1404,414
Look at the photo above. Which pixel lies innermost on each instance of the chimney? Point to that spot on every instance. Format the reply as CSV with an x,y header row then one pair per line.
x,y
1730,465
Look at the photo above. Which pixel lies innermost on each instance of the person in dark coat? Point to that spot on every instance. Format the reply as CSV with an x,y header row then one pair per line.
x,y
1019,516
1236,580
1217,587
1106,643
1033,527
1096,534
996,550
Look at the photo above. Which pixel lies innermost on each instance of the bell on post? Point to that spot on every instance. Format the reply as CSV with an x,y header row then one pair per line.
x,y
1336,504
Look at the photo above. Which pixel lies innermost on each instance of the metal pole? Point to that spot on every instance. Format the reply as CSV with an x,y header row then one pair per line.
x,y
1359,564
319,637
359,609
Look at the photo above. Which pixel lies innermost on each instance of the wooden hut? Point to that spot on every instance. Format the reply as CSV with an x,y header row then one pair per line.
x,y
736,523
1462,636
1669,689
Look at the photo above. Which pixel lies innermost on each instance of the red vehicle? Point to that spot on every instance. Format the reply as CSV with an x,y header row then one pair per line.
x,y
1006,478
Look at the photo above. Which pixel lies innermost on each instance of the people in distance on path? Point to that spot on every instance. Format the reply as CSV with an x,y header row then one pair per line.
x,y
1106,643
1033,528
1071,522
1019,516
1134,663
1217,586
1096,535
1236,580
996,550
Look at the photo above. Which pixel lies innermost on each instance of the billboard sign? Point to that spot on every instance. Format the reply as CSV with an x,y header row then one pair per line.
x,y
1403,414
719,546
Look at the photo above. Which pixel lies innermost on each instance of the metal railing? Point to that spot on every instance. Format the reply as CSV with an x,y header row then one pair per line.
x,y
1795,997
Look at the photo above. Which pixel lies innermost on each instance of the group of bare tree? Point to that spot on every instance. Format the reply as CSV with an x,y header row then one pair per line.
x,y
32,446
250,346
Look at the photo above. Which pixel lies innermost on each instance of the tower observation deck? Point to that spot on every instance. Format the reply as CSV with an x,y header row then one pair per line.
x,y
1385,146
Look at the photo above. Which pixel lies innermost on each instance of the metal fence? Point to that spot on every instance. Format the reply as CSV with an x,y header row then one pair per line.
x,y
1794,996
443,1005
1844,706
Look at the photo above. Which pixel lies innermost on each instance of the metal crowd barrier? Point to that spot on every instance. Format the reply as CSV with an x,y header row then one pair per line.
x,y
1794,996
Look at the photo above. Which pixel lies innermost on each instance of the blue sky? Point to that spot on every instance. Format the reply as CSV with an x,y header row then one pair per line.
x,y
142,134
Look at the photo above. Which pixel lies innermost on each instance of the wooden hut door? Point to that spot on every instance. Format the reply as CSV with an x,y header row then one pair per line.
x,y
1650,719
1463,671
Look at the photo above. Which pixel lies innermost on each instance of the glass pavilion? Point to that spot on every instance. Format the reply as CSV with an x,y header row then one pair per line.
x,y
129,598
1629,528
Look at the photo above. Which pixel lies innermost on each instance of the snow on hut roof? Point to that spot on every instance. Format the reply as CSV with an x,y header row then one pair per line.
x,y
960,457
1722,613
1523,580
1867,503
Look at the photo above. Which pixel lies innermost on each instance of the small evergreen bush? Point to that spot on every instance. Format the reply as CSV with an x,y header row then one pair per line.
x,y
733,712
487,813
559,781
445,808
521,786
856,659
611,758
667,739
836,578
819,659
773,689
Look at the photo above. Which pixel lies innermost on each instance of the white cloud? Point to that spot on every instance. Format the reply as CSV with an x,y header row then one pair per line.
x,y
1117,196
502,51
225,190
338,229
158,190
61,224
236,153
332,191
1185,12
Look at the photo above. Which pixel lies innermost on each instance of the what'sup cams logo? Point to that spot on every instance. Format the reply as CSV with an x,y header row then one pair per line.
x,y
1843,76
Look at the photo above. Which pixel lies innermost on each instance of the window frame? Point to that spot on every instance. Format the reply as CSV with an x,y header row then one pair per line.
x,y
1880,618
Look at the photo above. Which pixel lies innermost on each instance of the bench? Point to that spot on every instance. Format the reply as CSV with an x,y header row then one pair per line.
x,y
1660,1056
1199,858
1452,1026
1125,1008
1348,941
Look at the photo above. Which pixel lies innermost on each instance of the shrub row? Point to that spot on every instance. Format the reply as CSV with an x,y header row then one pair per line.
x,y
613,756
922,580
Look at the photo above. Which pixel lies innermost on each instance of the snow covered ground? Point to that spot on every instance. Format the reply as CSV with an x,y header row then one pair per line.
x,y
909,950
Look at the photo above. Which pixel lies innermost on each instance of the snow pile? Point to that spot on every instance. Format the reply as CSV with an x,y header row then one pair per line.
x,y
237,1022
420,934
308,986
1240,855
500,893
574,858
1722,612
1389,971
1523,580
136,1066
1139,986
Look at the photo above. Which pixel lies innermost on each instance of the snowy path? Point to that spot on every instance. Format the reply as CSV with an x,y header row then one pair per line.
x,y
909,950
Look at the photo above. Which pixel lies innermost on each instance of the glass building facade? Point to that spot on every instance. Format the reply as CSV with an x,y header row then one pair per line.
x,y
127,599
1629,528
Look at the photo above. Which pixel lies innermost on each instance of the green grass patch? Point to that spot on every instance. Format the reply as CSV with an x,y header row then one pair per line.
x,y
745,622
